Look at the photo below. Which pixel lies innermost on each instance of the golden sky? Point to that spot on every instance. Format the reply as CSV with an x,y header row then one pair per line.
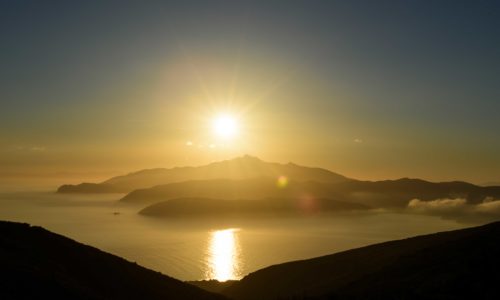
x,y
326,85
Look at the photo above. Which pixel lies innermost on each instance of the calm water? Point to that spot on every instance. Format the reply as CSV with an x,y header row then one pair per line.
x,y
194,250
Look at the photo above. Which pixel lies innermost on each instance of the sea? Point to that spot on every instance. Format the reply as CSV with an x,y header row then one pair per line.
x,y
191,249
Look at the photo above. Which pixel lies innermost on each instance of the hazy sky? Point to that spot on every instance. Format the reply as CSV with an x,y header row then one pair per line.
x,y
369,89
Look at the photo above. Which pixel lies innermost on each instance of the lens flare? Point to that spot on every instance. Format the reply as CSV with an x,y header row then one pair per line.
x,y
308,204
282,182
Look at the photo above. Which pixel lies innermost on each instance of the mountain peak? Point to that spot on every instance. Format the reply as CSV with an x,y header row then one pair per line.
x,y
248,157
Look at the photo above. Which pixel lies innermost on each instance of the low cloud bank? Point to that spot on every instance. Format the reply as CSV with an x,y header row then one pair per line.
x,y
458,208
438,205
489,205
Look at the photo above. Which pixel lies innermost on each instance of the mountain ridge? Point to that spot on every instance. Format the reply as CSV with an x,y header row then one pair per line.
x,y
250,177
237,168
375,194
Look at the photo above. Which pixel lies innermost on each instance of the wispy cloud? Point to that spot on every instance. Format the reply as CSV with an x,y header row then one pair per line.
x,y
38,148
21,148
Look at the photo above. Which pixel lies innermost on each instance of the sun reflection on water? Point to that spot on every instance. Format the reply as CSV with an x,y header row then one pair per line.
x,y
224,255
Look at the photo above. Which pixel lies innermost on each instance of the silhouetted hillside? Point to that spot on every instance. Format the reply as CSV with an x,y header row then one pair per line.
x,y
239,168
90,188
207,207
214,286
254,188
38,264
387,194
461,264
249,177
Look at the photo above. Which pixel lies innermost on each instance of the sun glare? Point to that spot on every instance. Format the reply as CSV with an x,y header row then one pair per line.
x,y
225,126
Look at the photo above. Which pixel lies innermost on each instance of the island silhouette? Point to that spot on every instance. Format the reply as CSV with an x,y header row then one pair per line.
x,y
279,188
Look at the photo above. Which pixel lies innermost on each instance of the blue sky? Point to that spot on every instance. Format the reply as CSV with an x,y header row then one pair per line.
x,y
368,88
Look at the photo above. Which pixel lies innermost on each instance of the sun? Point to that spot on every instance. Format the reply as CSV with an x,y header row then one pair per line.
x,y
225,126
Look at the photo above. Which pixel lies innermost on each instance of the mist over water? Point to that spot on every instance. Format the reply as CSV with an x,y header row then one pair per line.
x,y
208,249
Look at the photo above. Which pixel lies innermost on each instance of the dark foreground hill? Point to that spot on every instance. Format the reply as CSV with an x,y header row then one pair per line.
x,y
461,264
238,168
267,207
38,264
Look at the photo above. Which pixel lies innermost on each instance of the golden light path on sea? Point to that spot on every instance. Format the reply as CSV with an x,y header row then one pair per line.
x,y
223,255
